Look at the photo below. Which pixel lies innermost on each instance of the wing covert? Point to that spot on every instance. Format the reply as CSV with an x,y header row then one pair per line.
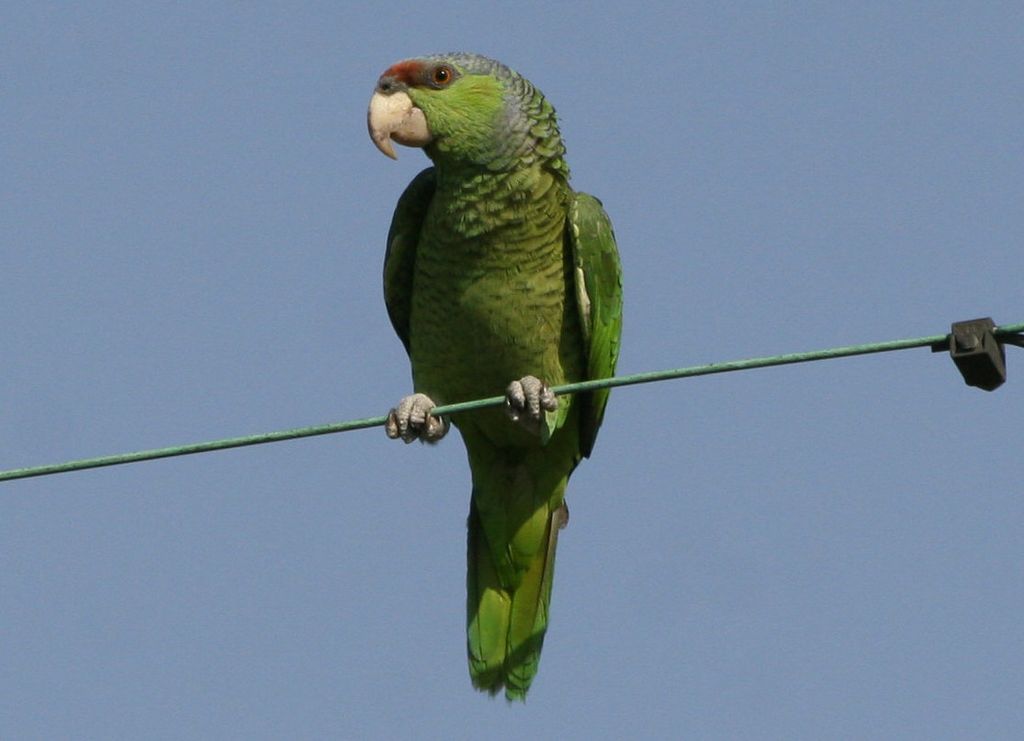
x,y
400,257
598,283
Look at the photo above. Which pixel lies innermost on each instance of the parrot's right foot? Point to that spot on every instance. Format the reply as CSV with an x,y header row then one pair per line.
x,y
412,420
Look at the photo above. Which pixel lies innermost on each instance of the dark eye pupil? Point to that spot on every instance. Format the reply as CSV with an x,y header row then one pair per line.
x,y
441,75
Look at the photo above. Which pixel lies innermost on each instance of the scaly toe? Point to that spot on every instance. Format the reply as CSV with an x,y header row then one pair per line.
x,y
527,399
412,420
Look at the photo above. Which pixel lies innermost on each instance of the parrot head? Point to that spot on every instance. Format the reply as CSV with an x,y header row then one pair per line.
x,y
463,108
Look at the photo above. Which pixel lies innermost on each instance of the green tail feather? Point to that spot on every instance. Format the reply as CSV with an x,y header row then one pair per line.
x,y
507,617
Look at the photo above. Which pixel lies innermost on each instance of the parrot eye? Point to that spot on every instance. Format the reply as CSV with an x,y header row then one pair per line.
x,y
441,75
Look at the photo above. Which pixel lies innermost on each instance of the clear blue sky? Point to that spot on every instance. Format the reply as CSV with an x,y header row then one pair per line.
x,y
192,224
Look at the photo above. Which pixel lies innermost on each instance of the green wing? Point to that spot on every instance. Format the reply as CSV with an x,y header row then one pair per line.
x,y
400,257
598,283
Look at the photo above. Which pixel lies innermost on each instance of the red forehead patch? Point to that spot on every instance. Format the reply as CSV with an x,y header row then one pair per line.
x,y
410,71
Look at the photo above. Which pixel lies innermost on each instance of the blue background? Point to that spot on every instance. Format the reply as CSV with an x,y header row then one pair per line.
x,y
192,224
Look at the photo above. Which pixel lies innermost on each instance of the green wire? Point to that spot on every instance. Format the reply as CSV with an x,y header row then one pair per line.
x,y
448,409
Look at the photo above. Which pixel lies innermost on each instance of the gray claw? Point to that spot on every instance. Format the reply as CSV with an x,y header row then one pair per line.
x,y
412,420
526,401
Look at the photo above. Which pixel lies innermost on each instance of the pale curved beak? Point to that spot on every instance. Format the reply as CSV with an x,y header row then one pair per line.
x,y
395,117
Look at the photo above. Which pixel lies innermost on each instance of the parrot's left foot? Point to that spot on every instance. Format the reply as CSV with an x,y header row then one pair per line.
x,y
412,420
527,400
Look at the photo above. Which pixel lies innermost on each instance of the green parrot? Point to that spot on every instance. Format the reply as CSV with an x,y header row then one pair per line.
x,y
498,276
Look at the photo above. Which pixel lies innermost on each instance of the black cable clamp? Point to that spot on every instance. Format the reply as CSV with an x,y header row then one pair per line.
x,y
978,352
